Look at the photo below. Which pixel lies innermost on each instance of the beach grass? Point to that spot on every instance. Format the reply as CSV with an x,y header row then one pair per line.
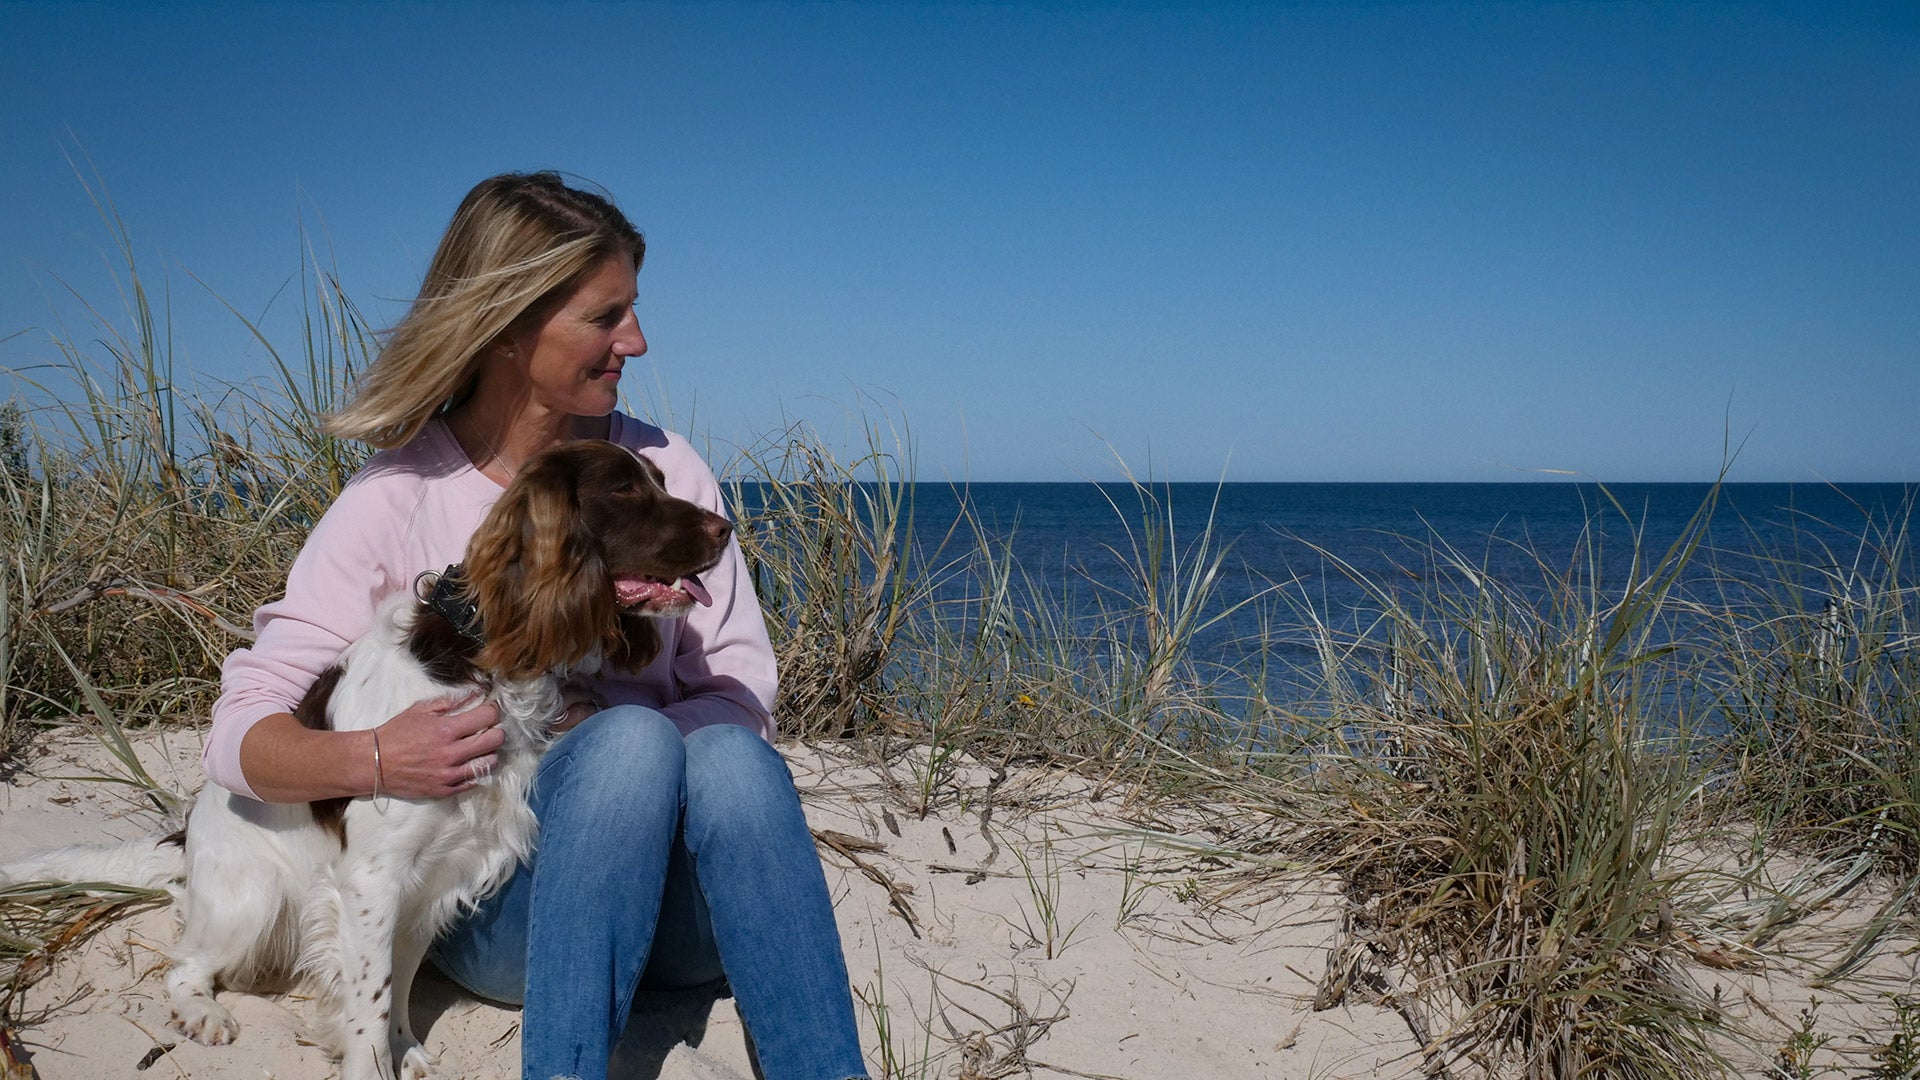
x,y
145,514
1503,776
1501,790
1815,660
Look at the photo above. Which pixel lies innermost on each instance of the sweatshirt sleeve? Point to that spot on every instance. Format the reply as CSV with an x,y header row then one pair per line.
x,y
723,660
336,581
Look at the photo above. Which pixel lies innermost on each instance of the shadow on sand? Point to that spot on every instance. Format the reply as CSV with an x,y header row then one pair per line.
x,y
662,1021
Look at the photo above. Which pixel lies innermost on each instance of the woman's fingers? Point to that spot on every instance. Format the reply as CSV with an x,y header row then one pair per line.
x,y
438,748
480,744
466,714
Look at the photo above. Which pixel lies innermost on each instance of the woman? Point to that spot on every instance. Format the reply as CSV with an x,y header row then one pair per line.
x,y
667,820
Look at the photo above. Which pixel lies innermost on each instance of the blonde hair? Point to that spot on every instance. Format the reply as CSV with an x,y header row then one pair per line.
x,y
519,243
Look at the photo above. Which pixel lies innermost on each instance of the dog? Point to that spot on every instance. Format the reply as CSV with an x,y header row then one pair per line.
x,y
565,575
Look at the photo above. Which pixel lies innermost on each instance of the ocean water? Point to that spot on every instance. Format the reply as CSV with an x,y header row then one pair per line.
x,y
1290,532
1292,553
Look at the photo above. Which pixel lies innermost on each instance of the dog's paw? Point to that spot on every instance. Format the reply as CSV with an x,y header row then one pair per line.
x,y
204,1020
415,1063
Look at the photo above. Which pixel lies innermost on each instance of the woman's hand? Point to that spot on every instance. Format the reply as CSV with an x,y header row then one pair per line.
x,y
438,748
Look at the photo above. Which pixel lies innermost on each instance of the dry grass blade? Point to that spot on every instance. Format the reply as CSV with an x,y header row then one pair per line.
x,y
849,848
106,726
40,921
11,1059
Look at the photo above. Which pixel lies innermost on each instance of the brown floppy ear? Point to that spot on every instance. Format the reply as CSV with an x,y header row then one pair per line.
x,y
536,577
638,644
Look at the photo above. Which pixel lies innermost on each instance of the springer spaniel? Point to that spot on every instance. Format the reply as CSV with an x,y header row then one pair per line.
x,y
579,554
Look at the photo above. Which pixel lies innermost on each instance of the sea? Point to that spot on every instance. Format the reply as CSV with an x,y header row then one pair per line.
x,y
1287,556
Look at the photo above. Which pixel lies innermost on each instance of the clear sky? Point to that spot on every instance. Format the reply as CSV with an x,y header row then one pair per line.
x,y
1398,241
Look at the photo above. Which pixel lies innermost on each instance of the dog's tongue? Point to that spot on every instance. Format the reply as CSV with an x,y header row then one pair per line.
x,y
696,590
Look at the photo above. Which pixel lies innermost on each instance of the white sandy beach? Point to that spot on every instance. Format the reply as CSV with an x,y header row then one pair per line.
x,y
1164,962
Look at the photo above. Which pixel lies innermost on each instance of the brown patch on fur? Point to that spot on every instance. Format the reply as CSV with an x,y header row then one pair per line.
x,y
441,649
330,814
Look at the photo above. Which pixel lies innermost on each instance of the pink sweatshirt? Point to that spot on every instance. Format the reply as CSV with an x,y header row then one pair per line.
x,y
412,509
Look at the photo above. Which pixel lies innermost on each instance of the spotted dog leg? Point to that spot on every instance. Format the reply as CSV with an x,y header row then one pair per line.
x,y
369,902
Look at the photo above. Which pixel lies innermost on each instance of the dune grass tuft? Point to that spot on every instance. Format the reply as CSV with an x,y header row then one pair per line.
x,y
1816,664
1501,784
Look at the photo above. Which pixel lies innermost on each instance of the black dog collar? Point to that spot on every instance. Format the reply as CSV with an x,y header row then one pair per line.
x,y
446,594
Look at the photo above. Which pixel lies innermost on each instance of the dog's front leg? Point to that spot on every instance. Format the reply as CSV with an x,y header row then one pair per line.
x,y
409,948
369,903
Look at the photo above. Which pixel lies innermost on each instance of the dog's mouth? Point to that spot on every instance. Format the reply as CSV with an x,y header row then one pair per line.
x,y
654,596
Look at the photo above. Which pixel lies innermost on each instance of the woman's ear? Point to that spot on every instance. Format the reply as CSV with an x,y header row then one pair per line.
x,y
508,346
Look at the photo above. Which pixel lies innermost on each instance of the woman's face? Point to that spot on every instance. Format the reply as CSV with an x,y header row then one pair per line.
x,y
572,361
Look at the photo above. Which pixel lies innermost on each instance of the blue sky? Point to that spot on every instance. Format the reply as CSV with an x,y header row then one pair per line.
x,y
1273,242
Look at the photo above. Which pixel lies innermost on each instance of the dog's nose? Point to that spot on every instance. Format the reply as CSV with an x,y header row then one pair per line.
x,y
718,528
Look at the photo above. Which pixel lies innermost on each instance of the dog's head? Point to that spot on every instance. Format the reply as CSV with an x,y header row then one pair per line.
x,y
580,553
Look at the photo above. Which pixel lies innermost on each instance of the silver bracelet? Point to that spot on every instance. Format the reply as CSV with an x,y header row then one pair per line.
x,y
377,777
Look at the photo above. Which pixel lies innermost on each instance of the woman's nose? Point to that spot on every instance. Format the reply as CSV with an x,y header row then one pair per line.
x,y
632,342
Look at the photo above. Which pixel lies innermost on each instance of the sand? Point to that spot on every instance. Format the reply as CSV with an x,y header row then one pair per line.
x,y
1031,923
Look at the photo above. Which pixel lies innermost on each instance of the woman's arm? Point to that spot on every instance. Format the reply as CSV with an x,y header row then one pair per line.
x,y
723,663
357,554
433,749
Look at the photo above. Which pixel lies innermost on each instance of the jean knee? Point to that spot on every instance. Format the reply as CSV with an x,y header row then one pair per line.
x,y
731,760
623,726
737,781
627,753
619,736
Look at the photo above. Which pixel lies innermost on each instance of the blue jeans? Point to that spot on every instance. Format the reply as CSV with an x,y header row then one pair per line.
x,y
696,844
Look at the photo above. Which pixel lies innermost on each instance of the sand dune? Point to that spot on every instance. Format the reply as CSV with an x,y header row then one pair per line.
x,y
1030,921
